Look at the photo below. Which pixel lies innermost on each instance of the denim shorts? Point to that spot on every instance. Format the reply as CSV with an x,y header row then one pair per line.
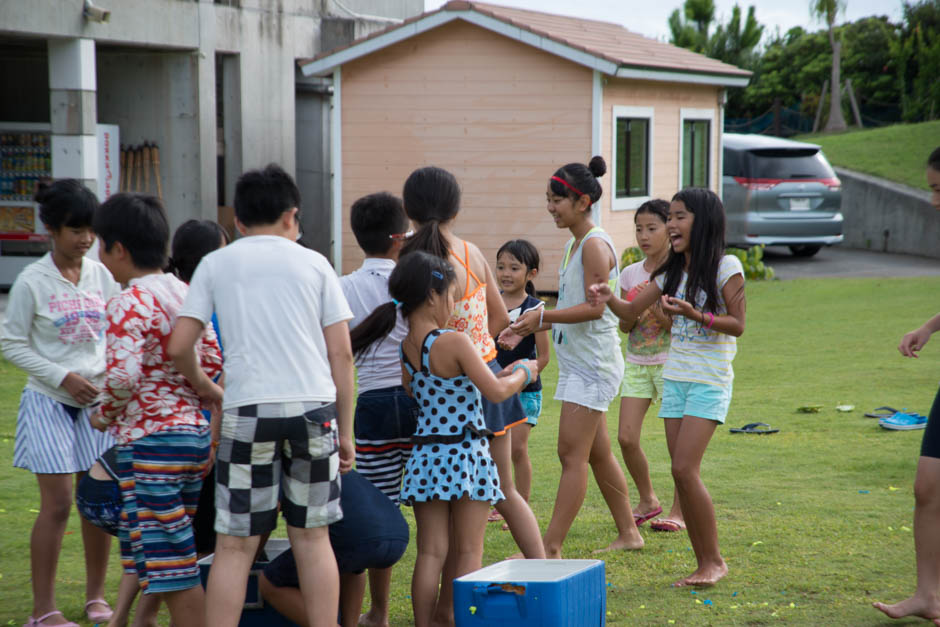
x,y
683,398
532,406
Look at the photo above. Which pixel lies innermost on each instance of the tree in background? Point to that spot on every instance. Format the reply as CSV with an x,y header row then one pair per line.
x,y
828,11
692,32
917,56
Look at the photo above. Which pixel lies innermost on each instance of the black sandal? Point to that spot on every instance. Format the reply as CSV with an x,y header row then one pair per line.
x,y
754,427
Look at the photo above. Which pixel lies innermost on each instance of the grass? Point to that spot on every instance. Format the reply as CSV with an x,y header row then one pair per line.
x,y
814,522
897,153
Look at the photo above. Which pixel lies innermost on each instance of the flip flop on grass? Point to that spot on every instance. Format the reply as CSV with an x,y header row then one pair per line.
x,y
667,524
755,427
639,519
809,409
882,412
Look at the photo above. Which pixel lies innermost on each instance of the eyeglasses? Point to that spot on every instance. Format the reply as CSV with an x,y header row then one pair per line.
x,y
405,235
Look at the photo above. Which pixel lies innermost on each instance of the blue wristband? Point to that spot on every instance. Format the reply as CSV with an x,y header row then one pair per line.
x,y
528,373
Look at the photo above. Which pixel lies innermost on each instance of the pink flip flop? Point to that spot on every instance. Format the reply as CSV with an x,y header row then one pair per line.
x,y
101,616
639,519
38,622
666,524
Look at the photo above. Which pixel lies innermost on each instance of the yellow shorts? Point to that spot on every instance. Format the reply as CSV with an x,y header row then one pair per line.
x,y
642,381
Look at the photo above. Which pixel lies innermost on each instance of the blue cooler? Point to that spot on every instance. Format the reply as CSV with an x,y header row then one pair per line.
x,y
540,593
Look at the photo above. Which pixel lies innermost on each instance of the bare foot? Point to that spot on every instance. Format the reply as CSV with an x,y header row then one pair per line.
x,y
914,606
633,542
707,575
373,619
644,508
553,555
517,556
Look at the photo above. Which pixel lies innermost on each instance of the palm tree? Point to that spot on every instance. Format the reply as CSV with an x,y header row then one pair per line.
x,y
828,10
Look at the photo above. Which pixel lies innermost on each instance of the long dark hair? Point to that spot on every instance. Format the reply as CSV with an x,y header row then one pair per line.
x,y
193,240
431,195
415,276
527,254
706,248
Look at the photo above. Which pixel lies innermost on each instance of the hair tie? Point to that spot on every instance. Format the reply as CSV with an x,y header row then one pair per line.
x,y
437,275
397,303
569,185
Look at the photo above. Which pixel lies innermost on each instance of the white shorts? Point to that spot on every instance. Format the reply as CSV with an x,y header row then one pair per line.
x,y
596,393
50,441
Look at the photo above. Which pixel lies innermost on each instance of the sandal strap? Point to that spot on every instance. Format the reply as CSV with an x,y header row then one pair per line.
x,y
101,601
36,621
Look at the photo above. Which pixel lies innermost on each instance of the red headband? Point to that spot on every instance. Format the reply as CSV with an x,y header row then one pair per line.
x,y
568,185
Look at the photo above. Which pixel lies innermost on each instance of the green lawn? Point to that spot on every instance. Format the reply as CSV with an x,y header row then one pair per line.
x,y
898,153
814,522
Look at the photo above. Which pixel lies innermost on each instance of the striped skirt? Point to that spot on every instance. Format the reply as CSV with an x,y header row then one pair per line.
x,y
50,441
161,476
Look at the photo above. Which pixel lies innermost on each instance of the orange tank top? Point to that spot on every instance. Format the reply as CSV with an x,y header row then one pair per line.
x,y
470,315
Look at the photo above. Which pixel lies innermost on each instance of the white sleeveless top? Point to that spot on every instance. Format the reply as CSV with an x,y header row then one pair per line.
x,y
592,348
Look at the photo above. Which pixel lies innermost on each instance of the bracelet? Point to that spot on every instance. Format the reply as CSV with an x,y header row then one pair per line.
x,y
214,444
711,319
528,373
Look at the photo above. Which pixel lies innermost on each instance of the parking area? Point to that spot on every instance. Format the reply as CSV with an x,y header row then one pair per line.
x,y
837,261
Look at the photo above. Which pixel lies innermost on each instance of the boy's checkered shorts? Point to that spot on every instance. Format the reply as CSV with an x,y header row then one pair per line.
x,y
287,452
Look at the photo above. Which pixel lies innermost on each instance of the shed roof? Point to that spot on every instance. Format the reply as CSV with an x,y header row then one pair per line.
x,y
603,46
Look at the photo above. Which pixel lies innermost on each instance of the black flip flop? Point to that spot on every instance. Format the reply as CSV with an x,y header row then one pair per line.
x,y
754,427
882,412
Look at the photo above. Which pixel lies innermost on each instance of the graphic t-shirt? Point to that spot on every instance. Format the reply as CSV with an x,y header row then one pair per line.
x,y
697,354
648,340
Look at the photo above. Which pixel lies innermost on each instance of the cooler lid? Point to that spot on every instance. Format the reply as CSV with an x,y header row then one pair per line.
x,y
529,570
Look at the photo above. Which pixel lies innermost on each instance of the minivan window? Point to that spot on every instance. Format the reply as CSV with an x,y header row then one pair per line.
x,y
780,163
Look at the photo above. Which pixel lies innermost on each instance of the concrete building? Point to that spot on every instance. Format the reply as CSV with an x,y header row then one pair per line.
x,y
212,83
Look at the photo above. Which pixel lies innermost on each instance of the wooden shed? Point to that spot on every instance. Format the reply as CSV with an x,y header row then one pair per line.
x,y
502,97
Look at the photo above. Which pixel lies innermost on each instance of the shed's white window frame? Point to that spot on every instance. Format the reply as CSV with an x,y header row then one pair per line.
x,y
631,202
697,115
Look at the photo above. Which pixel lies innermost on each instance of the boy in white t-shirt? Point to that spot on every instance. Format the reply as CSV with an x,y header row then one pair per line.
x,y
386,416
288,379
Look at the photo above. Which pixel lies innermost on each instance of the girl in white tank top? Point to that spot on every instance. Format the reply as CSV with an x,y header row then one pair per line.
x,y
590,364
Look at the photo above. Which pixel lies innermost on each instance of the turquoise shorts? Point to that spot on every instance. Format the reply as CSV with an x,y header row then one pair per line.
x,y
532,406
682,398
642,381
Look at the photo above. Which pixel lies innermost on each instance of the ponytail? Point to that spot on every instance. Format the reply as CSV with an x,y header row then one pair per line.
x,y
428,239
377,325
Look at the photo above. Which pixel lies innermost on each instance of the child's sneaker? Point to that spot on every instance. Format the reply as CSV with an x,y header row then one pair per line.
x,y
901,421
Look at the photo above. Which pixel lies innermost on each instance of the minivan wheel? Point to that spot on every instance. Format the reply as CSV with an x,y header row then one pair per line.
x,y
804,250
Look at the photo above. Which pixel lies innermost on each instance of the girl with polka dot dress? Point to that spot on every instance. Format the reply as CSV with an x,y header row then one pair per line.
x,y
451,474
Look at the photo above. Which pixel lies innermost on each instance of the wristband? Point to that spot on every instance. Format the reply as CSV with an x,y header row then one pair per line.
x,y
541,315
528,373
711,320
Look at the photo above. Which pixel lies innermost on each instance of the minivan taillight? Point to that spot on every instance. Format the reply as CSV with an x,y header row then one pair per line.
x,y
757,184
833,183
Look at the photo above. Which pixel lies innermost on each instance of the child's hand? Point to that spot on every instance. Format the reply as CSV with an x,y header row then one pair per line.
x,y
210,392
678,307
598,293
526,324
912,342
508,340
79,388
97,421
347,454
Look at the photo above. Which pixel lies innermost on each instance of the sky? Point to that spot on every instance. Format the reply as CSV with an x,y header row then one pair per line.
x,y
650,18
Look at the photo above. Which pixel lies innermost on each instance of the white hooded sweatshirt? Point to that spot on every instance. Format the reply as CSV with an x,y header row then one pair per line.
x,y
53,327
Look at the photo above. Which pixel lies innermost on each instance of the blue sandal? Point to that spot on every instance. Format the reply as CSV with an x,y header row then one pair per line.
x,y
901,421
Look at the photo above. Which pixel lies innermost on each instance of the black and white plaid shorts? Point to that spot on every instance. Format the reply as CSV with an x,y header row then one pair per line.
x,y
287,452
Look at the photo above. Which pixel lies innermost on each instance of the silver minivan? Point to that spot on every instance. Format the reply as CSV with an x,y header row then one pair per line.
x,y
780,192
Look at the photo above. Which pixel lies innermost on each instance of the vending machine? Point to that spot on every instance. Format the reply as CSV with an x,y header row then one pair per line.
x,y
25,158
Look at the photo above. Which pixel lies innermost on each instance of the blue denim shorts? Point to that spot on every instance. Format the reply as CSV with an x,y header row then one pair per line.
x,y
532,406
683,398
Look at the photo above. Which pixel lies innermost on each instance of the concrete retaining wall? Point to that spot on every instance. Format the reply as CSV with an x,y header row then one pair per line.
x,y
887,216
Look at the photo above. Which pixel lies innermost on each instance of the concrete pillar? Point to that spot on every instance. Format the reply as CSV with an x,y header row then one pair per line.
x,y
73,110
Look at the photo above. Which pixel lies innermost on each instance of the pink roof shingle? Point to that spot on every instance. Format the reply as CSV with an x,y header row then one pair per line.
x,y
605,40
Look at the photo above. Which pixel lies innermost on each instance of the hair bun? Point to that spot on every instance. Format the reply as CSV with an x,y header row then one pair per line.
x,y
43,190
597,166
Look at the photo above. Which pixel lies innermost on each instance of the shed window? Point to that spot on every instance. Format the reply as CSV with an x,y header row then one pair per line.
x,y
695,151
633,157
633,130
